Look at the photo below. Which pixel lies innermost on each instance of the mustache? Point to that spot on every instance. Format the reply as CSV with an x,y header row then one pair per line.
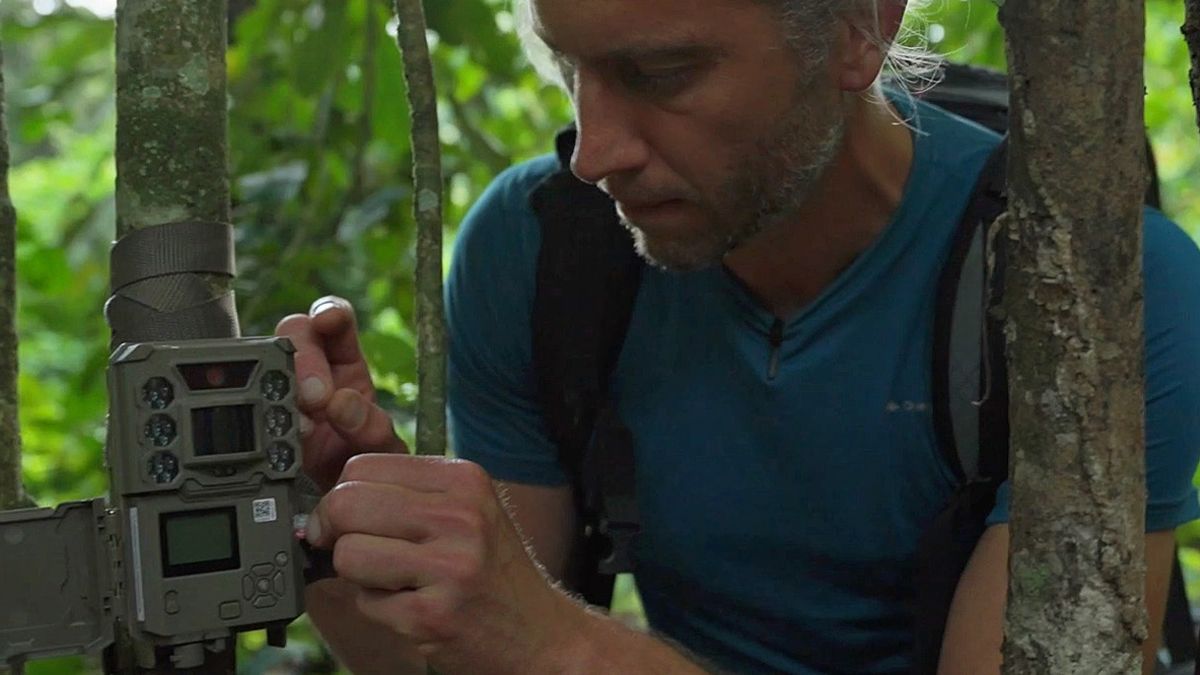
x,y
635,195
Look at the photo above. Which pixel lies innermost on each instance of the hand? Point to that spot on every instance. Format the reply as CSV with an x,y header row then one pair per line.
x,y
441,565
341,416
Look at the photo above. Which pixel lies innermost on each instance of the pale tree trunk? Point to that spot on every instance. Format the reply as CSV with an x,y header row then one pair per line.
x,y
1074,306
10,438
172,158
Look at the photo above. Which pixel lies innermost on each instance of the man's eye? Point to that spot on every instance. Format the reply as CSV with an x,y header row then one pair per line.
x,y
657,81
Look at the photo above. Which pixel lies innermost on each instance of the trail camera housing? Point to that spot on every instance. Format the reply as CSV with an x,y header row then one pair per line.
x,y
203,451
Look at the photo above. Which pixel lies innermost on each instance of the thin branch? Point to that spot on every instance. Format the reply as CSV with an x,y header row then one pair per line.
x,y
427,206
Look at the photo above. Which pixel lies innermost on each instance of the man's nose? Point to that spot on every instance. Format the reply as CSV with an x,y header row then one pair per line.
x,y
608,141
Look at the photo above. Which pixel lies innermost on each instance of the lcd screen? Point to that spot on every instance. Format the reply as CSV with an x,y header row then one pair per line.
x,y
224,430
195,542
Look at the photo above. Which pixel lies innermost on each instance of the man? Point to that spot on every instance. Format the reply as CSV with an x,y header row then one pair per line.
x,y
775,374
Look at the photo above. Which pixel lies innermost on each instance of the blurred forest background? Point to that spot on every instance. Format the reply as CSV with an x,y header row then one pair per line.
x,y
321,167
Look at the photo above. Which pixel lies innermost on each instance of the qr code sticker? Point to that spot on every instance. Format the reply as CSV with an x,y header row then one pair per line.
x,y
264,510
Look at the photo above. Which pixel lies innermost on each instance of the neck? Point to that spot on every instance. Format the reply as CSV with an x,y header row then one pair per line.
x,y
786,266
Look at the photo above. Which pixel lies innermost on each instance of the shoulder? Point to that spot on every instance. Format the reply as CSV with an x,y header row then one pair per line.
x,y
500,236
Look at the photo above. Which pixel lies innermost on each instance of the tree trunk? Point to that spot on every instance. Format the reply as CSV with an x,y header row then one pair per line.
x,y
172,157
1074,308
1191,31
10,438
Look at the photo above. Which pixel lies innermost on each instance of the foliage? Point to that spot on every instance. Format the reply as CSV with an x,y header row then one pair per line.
x,y
322,168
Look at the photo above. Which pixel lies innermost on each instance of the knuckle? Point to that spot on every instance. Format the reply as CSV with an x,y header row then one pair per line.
x,y
433,618
341,505
291,324
359,467
463,569
345,556
473,478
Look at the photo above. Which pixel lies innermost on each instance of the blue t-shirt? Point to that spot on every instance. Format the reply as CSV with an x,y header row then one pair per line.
x,y
781,506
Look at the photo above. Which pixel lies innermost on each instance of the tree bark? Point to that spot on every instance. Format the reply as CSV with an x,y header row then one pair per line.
x,y
1191,31
172,146
172,157
427,208
1075,339
11,493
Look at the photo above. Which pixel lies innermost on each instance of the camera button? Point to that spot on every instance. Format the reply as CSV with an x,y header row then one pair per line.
x,y
263,585
247,587
263,569
264,601
277,584
171,602
281,559
230,610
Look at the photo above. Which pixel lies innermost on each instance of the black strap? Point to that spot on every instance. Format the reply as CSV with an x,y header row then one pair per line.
x,y
970,399
968,379
587,279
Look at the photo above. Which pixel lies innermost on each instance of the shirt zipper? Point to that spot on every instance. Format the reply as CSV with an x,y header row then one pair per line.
x,y
776,339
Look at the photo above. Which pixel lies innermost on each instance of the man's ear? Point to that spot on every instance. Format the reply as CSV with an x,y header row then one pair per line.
x,y
862,44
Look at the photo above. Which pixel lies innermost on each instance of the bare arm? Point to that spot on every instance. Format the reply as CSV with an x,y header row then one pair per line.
x,y
974,629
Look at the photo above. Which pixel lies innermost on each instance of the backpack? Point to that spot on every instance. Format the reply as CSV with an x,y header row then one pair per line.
x,y
587,279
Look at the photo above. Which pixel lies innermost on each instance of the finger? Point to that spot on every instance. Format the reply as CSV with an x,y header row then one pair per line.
x,y
427,474
378,509
334,320
313,375
419,615
362,423
380,563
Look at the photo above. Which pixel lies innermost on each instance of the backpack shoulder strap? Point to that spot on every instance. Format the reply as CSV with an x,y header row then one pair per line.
x,y
588,274
970,384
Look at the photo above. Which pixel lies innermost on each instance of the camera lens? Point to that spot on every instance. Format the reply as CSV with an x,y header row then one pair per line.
x,y
158,393
160,429
275,385
281,456
163,467
279,421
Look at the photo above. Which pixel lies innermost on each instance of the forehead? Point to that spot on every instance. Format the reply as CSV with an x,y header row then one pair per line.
x,y
591,28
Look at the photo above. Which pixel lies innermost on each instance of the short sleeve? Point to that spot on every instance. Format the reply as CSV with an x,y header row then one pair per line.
x,y
494,416
1172,322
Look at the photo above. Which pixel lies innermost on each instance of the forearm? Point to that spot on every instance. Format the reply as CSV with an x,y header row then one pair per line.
x,y
363,646
605,645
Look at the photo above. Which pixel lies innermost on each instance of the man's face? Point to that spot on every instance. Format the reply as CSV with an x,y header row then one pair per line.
x,y
695,116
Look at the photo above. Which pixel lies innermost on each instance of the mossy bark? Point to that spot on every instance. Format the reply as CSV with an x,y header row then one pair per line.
x,y
172,166
1191,31
1075,336
172,127
11,493
427,207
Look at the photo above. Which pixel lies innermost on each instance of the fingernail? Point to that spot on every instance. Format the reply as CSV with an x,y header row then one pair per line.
x,y
322,306
306,425
351,415
313,529
312,390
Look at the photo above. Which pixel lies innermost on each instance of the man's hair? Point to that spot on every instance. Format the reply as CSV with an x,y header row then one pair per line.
x,y
909,64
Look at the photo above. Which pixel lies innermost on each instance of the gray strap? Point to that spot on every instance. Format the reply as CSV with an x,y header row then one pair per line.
x,y
133,321
188,247
966,338
163,287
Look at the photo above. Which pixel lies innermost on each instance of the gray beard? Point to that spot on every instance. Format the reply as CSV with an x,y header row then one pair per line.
x,y
765,189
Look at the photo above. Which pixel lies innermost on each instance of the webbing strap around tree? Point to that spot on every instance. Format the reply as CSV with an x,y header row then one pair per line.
x,y
161,283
